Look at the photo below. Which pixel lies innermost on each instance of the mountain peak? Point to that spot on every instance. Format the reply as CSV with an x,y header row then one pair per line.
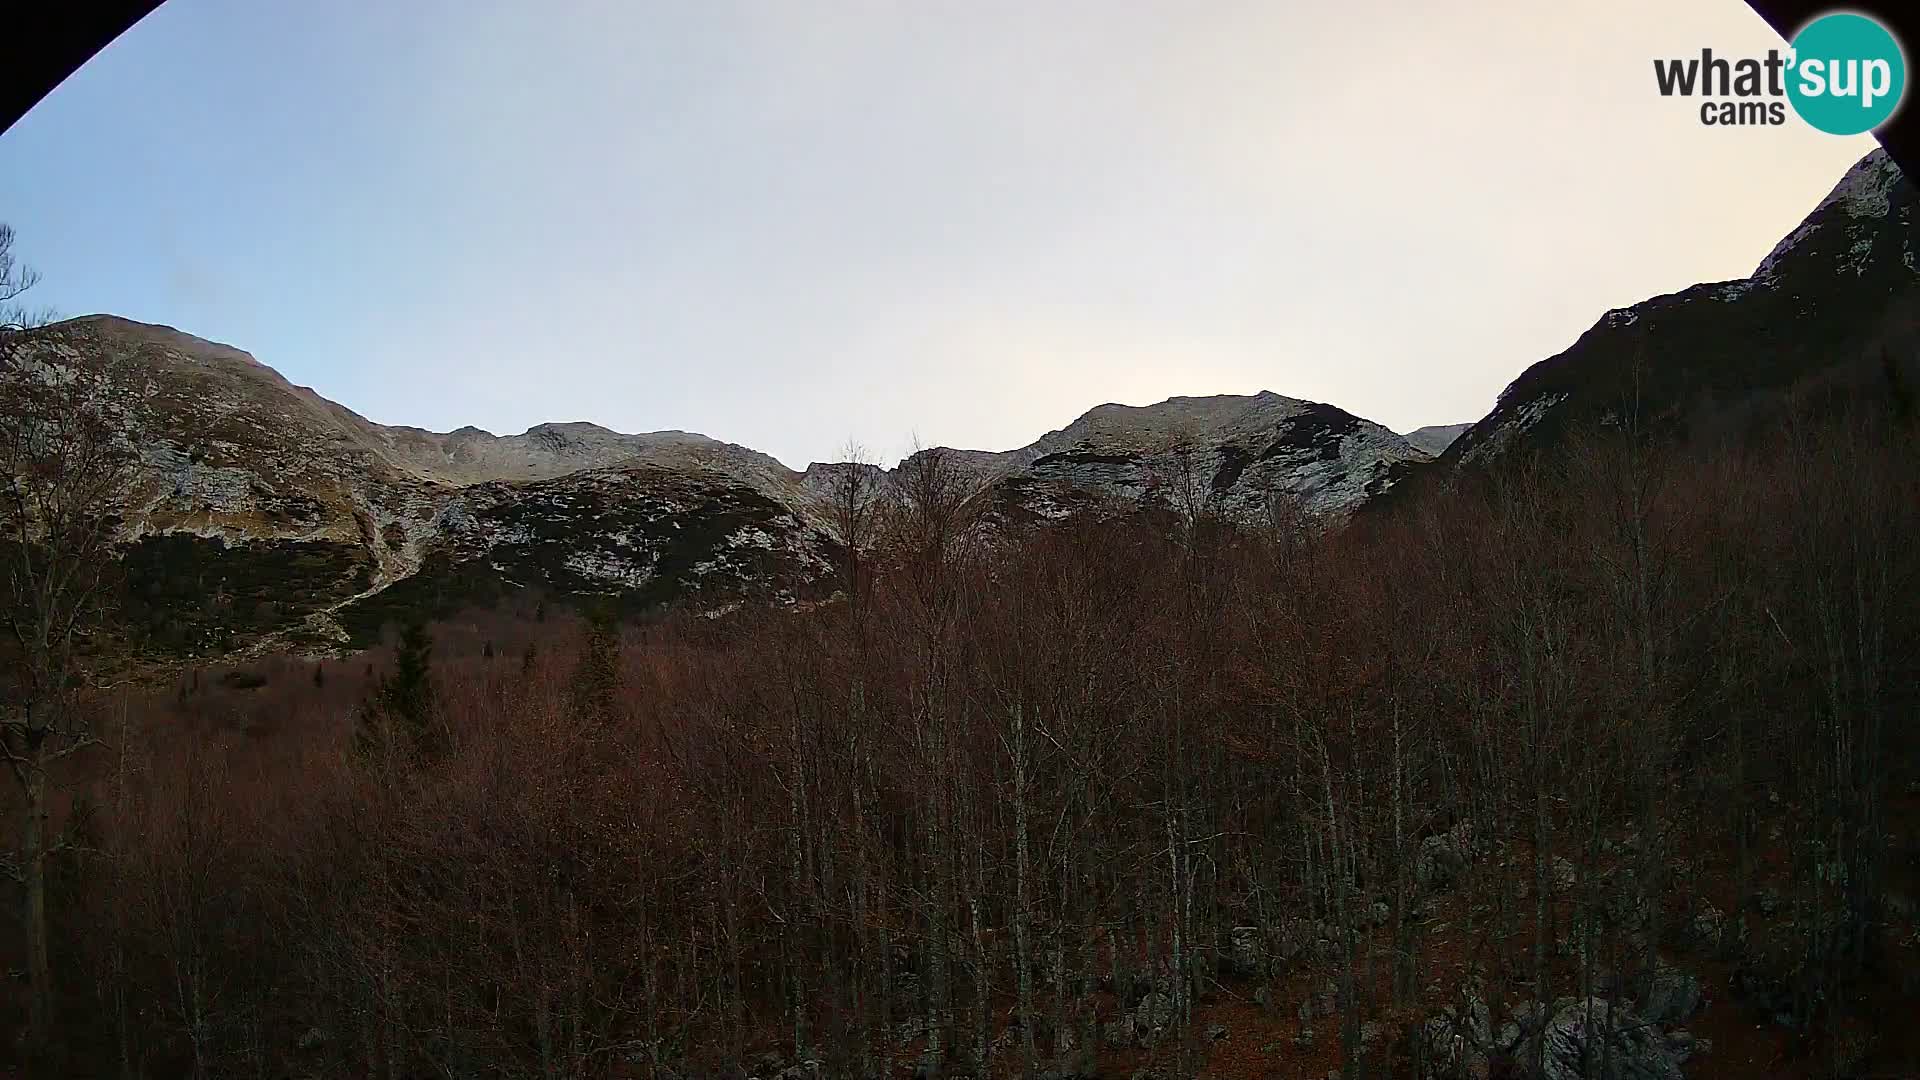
x,y
1865,191
1815,313
1177,417
569,427
123,329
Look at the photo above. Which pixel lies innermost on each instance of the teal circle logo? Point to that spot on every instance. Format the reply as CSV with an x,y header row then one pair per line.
x,y
1848,74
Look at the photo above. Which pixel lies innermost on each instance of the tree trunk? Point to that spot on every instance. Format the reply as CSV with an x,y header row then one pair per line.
x,y
1022,947
34,868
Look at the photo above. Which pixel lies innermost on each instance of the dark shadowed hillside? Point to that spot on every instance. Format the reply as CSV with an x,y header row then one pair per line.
x,y
1718,357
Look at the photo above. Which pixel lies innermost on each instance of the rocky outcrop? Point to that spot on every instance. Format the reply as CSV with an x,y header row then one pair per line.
x,y
1574,1039
1238,458
1593,1037
1442,857
1668,995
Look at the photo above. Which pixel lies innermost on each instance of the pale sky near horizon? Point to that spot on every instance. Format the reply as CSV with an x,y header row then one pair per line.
x,y
788,224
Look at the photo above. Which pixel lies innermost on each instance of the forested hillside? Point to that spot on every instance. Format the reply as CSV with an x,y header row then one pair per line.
x,y
1597,765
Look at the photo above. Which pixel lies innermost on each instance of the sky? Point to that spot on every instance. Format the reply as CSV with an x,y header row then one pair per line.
x,y
792,224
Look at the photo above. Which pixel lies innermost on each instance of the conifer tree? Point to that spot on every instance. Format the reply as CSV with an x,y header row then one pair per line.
x,y
406,697
596,681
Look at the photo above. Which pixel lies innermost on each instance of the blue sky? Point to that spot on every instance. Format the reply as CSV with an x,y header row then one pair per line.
x,y
789,224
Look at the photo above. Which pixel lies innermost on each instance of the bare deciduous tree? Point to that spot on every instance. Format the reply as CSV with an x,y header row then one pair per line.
x,y
854,492
64,473
15,279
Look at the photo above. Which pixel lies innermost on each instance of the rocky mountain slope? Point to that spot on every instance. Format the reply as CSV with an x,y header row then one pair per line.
x,y
1227,455
1435,438
1231,456
1814,315
282,518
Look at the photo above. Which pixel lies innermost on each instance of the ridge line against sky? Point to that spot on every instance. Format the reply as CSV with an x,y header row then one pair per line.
x,y
788,226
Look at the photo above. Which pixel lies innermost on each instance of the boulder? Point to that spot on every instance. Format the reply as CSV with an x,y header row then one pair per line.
x,y
1507,1037
1153,1019
313,1041
1667,995
1309,938
1246,952
1447,1056
1442,857
1455,1041
1561,875
1623,1045
1707,930
1684,1046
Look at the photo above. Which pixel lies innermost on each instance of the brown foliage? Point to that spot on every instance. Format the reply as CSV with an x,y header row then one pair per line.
x,y
805,827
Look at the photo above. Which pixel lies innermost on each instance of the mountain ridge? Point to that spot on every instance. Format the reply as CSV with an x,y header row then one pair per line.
x,y
1203,413
284,518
